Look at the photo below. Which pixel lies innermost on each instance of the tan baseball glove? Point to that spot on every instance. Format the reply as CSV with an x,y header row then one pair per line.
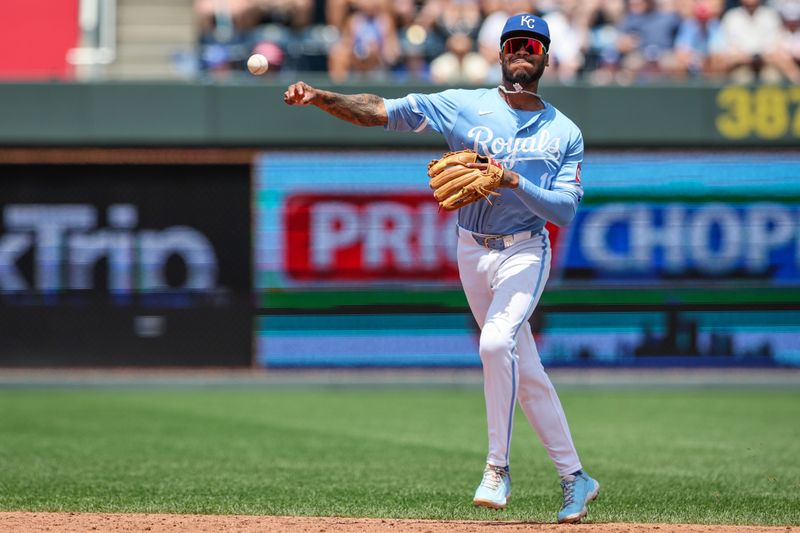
x,y
455,184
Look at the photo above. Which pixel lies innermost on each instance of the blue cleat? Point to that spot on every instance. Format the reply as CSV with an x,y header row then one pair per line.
x,y
579,490
495,488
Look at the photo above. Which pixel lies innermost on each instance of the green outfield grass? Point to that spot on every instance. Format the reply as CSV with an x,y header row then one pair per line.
x,y
715,456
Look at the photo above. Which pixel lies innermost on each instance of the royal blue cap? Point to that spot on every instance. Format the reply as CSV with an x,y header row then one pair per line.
x,y
526,24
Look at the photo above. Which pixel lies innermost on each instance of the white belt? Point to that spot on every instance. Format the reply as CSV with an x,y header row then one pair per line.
x,y
497,242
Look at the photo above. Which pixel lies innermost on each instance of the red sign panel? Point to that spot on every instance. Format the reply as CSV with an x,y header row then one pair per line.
x,y
35,38
360,237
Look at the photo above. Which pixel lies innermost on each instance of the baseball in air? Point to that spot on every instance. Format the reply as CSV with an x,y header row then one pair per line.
x,y
257,64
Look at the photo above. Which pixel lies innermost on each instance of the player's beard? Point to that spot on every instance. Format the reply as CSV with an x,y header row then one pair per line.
x,y
522,76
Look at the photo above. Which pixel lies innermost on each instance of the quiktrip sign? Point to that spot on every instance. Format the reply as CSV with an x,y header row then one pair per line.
x,y
125,265
66,246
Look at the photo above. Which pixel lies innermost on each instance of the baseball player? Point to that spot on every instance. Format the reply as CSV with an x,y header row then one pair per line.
x,y
503,247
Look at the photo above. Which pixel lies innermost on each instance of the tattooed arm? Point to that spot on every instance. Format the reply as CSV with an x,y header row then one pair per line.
x,y
358,109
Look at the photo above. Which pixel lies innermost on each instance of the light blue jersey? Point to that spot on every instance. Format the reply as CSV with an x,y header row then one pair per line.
x,y
544,147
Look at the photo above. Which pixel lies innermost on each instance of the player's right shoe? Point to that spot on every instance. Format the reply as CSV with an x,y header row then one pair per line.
x,y
495,488
579,490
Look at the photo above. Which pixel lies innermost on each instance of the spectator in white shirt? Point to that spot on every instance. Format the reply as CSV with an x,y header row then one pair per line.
x,y
749,35
786,53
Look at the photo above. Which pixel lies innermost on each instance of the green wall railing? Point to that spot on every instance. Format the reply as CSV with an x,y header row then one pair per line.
x,y
254,115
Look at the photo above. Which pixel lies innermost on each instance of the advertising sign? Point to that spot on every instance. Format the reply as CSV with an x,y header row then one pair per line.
x,y
639,242
367,237
333,225
124,264
356,220
366,220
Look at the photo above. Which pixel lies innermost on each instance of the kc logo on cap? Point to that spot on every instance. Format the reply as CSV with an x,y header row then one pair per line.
x,y
527,20
526,24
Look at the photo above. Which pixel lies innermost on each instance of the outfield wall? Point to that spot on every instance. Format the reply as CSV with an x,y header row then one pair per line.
x,y
341,259
193,114
183,224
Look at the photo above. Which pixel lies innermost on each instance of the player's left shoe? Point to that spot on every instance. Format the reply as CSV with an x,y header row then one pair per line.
x,y
495,488
578,490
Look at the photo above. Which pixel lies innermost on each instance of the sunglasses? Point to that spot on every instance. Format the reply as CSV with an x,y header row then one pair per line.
x,y
530,45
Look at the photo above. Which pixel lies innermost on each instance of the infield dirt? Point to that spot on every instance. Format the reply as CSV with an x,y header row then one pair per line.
x,y
157,523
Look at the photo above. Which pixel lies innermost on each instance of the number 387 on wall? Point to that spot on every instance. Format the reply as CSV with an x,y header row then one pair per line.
x,y
767,112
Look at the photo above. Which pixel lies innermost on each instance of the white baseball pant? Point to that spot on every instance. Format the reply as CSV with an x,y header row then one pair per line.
x,y
502,289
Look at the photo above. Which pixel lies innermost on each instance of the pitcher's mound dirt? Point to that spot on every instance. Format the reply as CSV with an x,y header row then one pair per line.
x,y
161,523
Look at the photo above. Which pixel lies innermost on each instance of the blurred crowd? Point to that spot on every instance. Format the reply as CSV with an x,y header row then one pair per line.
x,y
457,41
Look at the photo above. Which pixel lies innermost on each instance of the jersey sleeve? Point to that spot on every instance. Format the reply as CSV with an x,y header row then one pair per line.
x,y
559,201
423,112
568,178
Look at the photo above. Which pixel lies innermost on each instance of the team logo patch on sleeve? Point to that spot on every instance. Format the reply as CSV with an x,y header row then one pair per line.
x,y
578,174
